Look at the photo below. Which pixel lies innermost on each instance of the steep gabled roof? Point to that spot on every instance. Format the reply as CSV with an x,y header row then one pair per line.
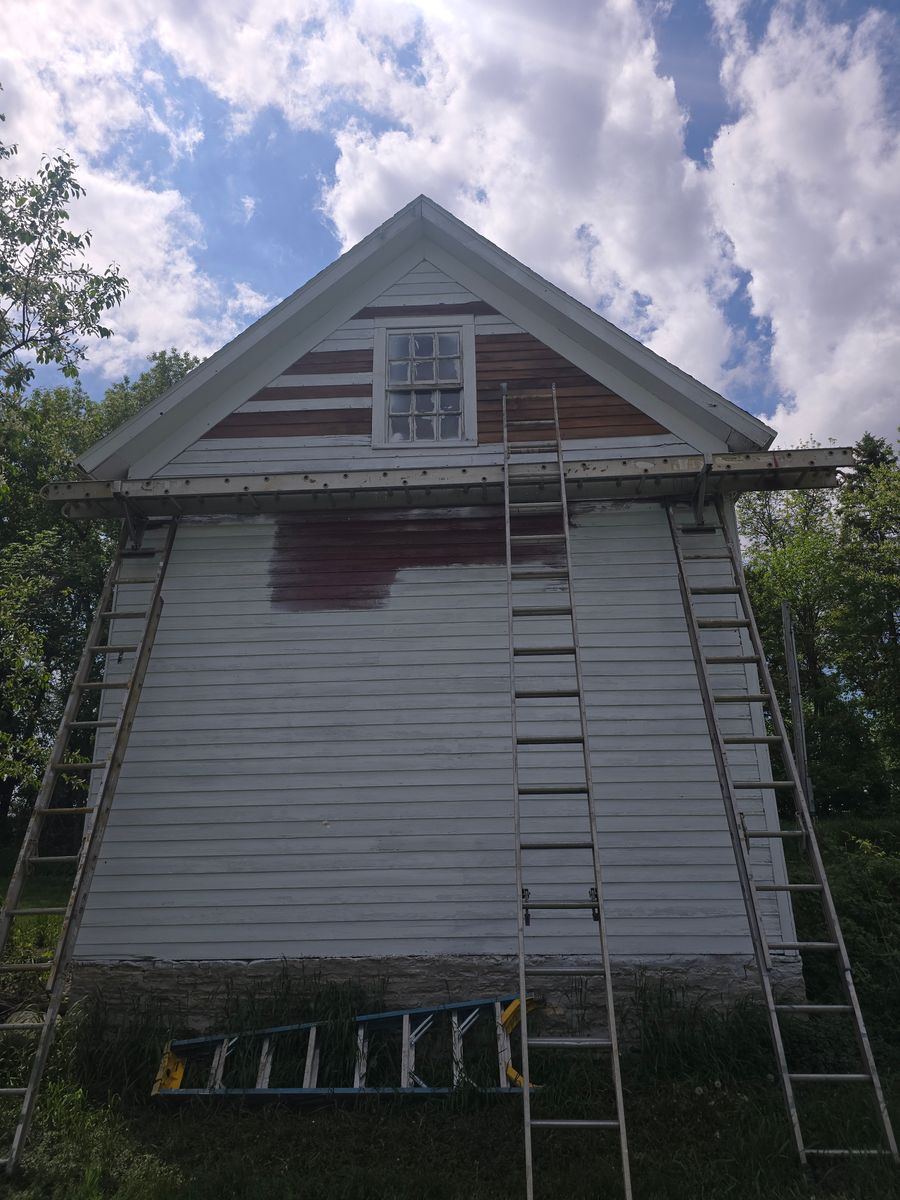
x,y
423,229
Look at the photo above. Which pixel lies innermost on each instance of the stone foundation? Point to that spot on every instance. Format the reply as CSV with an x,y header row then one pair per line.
x,y
199,995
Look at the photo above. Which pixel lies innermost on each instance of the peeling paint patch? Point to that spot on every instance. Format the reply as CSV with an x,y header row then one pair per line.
x,y
350,560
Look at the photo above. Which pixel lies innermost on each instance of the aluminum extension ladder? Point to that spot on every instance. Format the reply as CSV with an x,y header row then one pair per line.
x,y
523,413
698,548
222,1061
104,639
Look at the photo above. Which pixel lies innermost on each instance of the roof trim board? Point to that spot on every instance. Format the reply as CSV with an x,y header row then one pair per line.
x,y
422,230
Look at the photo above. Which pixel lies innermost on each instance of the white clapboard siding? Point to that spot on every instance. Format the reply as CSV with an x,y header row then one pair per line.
x,y
224,456
337,782
424,284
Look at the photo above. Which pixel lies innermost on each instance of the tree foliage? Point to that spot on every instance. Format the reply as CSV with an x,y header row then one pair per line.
x,y
50,299
835,557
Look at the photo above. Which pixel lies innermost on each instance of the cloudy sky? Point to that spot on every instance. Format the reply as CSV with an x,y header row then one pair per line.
x,y
720,178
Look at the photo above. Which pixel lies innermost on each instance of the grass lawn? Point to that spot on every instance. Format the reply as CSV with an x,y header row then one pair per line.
x,y
706,1120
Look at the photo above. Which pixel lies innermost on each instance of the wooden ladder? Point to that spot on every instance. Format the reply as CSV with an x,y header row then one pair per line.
x,y
523,476
103,641
699,546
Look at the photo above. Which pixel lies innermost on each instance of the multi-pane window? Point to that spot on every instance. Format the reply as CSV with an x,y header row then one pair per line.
x,y
424,383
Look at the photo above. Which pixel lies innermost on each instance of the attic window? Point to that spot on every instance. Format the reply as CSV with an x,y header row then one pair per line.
x,y
424,386
426,376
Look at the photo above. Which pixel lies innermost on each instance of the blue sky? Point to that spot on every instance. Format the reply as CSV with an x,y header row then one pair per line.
x,y
721,179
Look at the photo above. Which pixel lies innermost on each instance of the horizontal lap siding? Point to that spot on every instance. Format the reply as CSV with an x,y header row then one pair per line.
x,y
587,409
318,770
317,414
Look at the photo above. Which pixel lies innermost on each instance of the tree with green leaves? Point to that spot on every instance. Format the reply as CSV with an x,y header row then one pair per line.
x,y
833,555
50,299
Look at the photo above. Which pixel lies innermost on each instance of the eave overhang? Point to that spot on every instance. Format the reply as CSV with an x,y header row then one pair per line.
x,y
616,479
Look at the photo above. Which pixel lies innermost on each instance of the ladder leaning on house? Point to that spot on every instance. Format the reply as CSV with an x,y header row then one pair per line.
x,y
700,549
523,413
104,640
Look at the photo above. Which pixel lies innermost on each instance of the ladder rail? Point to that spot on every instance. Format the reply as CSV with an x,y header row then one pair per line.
x,y
523,906
93,836
740,835
517,813
811,843
48,781
615,1061
741,853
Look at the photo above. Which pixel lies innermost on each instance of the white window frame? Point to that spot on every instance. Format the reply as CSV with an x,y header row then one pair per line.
x,y
465,326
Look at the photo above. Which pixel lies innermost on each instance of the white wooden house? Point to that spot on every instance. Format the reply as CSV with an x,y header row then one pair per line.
x,y
320,770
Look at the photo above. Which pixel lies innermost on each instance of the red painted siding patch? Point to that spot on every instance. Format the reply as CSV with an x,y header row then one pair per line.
x,y
350,560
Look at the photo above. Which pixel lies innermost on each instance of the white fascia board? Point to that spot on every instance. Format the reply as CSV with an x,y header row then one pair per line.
x,y
222,372
648,370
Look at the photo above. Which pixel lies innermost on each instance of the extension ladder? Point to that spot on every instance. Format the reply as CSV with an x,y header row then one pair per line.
x,y
103,641
525,413
224,1060
702,549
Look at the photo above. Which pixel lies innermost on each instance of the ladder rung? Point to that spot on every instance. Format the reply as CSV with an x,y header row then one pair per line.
x,y
788,887
803,945
22,1026
737,698
530,447
700,527
539,740
526,651
539,474
537,537
562,610
59,812
752,739
849,1077
723,623
125,613
708,554
549,694
138,553
776,785
138,579
564,971
30,966
113,649
572,1123
53,858
536,506
536,423
848,1153
4,1091
547,573
775,833
813,1008
557,845
92,724
565,1043
35,912
78,766
100,684
715,659
716,590
560,790
561,905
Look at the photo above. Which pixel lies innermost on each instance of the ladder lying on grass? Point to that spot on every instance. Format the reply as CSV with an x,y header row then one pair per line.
x,y
105,639
699,549
525,414
223,1061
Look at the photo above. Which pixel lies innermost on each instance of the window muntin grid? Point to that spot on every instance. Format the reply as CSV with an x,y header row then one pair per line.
x,y
424,386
